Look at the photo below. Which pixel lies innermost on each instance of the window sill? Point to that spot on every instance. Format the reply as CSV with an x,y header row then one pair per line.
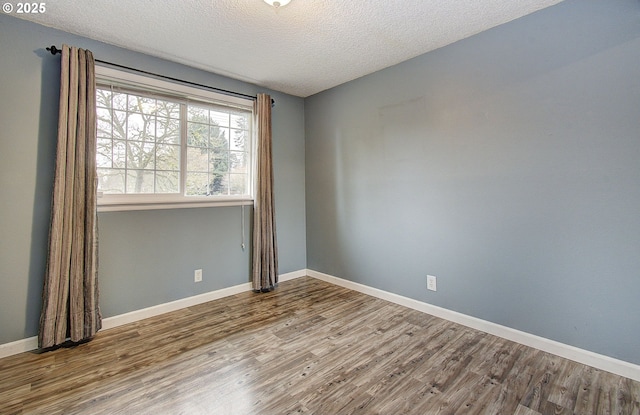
x,y
124,206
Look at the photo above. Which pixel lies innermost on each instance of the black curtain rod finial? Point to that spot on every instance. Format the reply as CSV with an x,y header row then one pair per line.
x,y
54,50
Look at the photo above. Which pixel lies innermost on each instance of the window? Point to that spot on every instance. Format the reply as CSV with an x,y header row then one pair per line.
x,y
162,145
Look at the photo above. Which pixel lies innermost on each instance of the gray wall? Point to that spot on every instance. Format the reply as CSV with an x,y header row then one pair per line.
x,y
506,164
146,257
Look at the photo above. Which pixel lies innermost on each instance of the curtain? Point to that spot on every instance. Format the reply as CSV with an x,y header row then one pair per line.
x,y
265,250
70,296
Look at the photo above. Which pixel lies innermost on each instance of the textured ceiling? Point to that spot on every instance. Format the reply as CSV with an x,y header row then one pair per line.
x,y
301,49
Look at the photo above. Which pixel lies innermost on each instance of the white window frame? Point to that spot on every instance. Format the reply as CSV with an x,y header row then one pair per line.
x,y
181,92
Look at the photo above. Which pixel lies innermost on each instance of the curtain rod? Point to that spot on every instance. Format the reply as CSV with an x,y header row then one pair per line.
x,y
54,51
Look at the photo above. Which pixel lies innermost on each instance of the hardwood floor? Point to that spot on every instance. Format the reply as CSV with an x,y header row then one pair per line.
x,y
308,348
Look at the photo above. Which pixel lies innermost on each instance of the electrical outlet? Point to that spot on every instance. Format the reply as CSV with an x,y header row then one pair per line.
x,y
197,275
431,283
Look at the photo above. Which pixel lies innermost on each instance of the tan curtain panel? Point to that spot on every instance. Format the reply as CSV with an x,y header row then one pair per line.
x,y
70,296
265,250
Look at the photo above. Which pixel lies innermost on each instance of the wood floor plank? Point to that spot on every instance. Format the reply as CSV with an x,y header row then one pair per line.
x,y
308,347
541,383
523,410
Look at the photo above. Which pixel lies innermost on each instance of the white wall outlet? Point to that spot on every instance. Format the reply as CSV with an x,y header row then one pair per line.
x,y
197,275
431,283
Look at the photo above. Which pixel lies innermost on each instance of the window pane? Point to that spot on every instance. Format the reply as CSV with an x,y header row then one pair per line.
x,y
219,161
219,137
167,157
198,114
220,118
103,98
197,159
142,104
238,140
167,130
111,181
168,109
197,184
167,182
219,184
238,162
140,181
198,135
119,153
119,125
141,155
240,120
141,127
104,153
104,122
119,101
238,184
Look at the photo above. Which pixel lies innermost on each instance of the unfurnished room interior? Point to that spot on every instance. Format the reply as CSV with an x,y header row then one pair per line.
x,y
320,207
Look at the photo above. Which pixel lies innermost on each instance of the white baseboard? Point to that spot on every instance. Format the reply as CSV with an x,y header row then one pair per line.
x,y
31,343
292,275
137,315
18,346
598,361
156,310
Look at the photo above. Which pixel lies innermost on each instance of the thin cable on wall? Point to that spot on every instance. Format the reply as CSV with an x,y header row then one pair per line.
x,y
243,245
